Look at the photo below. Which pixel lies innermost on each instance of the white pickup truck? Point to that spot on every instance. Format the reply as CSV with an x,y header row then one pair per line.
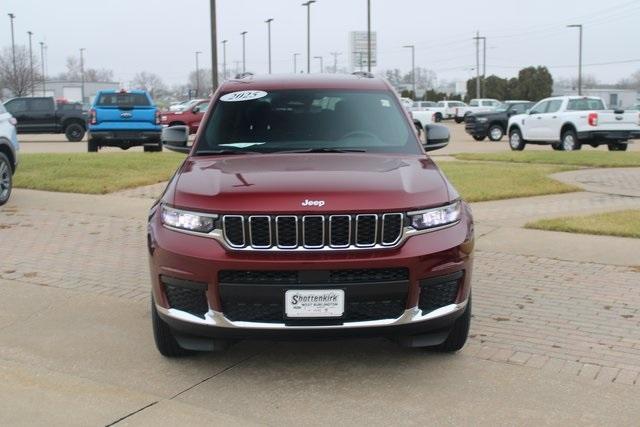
x,y
568,122
476,106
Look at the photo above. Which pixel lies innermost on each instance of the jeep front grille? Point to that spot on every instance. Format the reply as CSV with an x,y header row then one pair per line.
x,y
290,232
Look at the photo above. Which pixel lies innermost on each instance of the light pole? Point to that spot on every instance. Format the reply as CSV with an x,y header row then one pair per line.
x,y
31,82
579,26
308,5
269,21
244,56
295,62
214,45
13,46
197,74
224,59
481,93
413,66
44,88
335,61
369,35
321,63
82,71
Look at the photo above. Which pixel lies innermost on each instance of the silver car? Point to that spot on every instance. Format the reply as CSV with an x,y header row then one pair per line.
x,y
8,153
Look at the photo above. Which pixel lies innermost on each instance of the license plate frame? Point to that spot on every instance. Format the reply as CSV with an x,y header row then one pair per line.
x,y
314,303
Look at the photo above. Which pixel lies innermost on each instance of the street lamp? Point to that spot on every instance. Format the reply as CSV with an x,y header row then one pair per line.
x,y
579,26
295,62
244,56
413,66
269,21
308,5
44,88
224,59
13,46
369,35
197,74
214,45
321,63
82,72
31,82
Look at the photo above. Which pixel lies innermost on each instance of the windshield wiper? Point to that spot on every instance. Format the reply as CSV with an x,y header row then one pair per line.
x,y
325,150
224,152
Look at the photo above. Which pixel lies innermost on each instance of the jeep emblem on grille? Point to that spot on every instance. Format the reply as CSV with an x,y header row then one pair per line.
x,y
313,203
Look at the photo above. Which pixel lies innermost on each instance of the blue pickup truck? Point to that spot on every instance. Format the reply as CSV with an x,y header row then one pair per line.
x,y
124,119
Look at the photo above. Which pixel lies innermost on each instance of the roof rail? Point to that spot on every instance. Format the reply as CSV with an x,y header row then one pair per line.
x,y
364,74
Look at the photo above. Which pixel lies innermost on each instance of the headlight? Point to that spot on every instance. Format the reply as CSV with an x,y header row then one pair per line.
x,y
191,221
437,217
482,119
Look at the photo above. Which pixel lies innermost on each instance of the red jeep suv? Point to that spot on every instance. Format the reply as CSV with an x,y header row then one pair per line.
x,y
307,208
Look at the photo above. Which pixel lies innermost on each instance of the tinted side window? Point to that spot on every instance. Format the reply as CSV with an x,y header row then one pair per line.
x,y
473,103
554,106
585,104
17,106
440,104
540,107
520,108
39,104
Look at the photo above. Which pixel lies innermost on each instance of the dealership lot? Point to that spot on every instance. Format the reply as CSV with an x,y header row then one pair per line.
x,y
555,334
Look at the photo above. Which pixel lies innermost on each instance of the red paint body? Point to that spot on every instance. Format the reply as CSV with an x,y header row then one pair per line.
x,y
190,118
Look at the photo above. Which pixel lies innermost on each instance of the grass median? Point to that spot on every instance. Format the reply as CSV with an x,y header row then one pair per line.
x,y
592,159
91,173
621,224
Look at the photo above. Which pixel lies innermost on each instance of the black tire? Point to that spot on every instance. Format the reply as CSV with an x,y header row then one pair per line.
x,y
459,119
479,138
515,140
92,145
74,132
569,141
163,337
459,333
618,146
496,132
557,146
6,179
438,117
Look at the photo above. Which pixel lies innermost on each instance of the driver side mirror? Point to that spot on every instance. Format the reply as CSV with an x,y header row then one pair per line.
x,y
418,126
437,137
175,138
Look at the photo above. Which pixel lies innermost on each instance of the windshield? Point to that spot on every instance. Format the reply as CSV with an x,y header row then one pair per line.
x,y
304,120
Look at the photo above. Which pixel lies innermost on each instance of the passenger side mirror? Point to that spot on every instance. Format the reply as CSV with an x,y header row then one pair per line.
x,y
175,138
437,137
195,110
418,126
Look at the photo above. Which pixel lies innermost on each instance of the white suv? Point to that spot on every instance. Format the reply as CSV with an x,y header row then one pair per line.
x,y
8,153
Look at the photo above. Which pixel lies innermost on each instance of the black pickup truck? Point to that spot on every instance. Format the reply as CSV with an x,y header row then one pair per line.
x,y
44,115
493,124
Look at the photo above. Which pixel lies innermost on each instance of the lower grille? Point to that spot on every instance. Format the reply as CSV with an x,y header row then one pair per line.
x,y
312,276
438,292
186,295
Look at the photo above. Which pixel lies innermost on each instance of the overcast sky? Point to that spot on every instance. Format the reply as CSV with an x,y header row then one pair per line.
x,y
161,36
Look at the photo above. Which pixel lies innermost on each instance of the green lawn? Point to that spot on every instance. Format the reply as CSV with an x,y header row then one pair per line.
x,y
479,182
94,173
621,223
593,159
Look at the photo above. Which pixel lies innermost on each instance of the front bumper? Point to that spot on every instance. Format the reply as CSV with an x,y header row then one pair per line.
x,y
477,129
444,252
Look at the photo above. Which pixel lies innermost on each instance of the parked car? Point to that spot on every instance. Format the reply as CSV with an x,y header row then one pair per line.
x,y
307,208
423,105
190,117
124,119
568,122
446,109
9,148
44,115
180,106
494,123
407,102
476,106
424,117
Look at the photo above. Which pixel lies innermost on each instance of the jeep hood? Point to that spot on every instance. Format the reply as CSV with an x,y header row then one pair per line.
x,y
278,183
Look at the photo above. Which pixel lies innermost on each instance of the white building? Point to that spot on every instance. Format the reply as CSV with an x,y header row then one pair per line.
x,y
72,90
614,98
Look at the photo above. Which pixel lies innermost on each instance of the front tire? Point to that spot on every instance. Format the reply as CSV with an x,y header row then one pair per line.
x,y
570,141
479,138
618,146
496,133
557,146
163,337
6,179
92,145
438,117
515,140
74,132
459,332
459,119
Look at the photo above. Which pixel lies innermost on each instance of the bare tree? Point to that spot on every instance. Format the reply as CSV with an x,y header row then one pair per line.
x,y
18,83
74,72
150,82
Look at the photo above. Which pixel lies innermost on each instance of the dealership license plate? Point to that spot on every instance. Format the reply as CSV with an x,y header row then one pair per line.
x,y
314,303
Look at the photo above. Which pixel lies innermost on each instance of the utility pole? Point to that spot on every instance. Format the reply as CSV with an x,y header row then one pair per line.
x,y
477,39
321,63
44,89
197,75
579,26
335,61
244,55
224,59
413,66
369,35
269,21
82,72
295,62
308,5
214,46
31,82
484,66
13,46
